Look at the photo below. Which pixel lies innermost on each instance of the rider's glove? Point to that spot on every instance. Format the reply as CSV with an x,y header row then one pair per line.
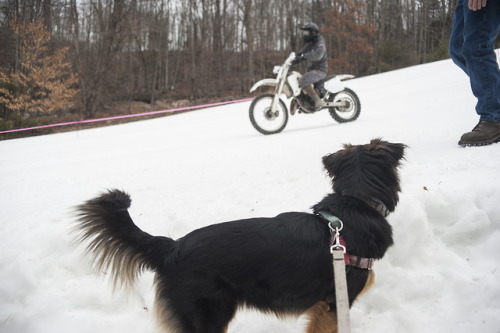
x,y
298,59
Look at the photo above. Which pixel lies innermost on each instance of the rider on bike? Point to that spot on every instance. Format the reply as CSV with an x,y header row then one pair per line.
x,y
315,51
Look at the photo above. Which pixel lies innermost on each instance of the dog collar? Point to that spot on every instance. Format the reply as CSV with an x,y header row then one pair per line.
x,y
372,202
349,259
352,260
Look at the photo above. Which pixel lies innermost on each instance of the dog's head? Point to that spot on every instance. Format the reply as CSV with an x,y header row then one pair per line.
x,y
370,170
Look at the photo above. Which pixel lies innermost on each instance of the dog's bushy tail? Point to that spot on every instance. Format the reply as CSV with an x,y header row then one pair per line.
x,y
115,243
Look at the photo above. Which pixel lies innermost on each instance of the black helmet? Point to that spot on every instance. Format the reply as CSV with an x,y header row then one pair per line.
x,y
313,31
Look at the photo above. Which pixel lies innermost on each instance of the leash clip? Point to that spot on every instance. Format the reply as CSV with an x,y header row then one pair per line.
x,y
335,231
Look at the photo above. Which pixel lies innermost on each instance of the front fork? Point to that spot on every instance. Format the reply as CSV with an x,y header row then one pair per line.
x,y
277,92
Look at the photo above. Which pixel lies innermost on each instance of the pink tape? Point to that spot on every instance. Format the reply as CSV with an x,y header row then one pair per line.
x,y
127,116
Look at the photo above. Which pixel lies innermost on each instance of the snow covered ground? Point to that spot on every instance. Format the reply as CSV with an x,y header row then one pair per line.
x,y
209,166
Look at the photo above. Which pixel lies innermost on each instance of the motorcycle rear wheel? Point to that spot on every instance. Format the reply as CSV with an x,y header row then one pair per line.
x,y
349,112
265,121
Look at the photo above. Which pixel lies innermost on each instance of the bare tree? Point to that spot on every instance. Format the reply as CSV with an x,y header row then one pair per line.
x,y
147,50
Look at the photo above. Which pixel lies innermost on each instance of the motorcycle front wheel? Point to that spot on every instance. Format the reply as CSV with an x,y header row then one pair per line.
x,y
263,119
350,109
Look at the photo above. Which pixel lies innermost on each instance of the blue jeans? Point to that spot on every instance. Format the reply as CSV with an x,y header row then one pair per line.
x,y
472,48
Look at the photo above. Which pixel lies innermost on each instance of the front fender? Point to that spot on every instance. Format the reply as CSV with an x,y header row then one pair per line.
x,y
264,82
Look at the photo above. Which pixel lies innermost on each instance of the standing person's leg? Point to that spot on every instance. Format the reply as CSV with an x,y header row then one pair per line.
x,y
479,33
457,36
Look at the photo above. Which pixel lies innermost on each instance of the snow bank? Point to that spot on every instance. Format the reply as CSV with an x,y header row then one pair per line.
x,y
204,167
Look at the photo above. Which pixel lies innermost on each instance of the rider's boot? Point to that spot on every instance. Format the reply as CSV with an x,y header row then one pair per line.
x,y
318,102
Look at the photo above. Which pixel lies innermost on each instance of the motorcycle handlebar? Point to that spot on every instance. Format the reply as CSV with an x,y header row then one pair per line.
x,y
290,58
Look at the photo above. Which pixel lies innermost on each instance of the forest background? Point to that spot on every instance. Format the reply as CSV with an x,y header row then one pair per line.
x,y
63,60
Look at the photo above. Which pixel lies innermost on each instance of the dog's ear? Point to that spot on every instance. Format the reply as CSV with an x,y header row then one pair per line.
x,y
395,150
333,162
329,163
398,150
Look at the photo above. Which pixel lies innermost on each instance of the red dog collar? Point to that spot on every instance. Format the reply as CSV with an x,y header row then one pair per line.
x,y
352,260
349,259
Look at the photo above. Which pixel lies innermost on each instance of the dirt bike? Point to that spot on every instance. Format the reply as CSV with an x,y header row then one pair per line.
x,y
269,113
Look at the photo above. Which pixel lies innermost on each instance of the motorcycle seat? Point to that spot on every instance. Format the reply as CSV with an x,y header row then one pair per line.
x,y
320,83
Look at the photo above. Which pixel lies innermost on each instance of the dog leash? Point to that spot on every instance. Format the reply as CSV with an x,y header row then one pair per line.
x,y
342,299
338,252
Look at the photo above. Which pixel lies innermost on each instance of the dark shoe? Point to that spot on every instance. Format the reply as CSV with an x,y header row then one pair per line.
x,y
484,133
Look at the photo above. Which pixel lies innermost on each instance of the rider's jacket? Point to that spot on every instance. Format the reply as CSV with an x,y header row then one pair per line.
x,y
315,52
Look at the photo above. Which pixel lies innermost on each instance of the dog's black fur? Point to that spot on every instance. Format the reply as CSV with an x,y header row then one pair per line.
x,y
280,265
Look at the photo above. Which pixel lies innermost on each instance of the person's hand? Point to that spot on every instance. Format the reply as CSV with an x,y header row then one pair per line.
x,y
298,59
476,4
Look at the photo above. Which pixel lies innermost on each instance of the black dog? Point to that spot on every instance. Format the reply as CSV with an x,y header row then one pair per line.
x,y
280,265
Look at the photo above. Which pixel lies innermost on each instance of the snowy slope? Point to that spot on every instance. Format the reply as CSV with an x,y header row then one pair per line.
x,y
209,166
